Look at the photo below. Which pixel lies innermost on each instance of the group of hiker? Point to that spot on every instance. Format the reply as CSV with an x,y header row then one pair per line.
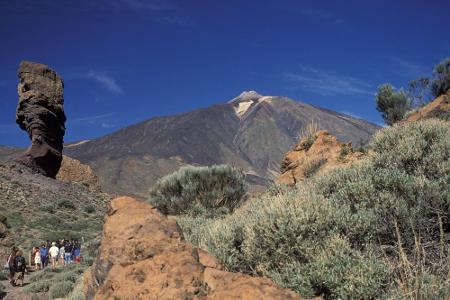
x,y
62,252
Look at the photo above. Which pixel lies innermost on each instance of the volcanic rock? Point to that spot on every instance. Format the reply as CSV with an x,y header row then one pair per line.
x,y
73,170
40,112
315,154
143,256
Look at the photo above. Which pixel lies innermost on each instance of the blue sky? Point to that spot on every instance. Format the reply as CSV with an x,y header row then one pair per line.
x,y
125,61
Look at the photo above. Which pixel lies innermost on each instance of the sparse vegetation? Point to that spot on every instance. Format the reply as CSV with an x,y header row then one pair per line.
x,y
311,166
210,191
60,289
66,203
440,83
308,135
392,104
418,91
346,149
89,209
3,275
57,282
372,230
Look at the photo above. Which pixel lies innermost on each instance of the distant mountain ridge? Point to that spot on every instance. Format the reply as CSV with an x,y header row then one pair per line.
x,y
252,132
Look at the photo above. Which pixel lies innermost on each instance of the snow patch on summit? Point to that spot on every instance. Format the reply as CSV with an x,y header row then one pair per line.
x,y
242,107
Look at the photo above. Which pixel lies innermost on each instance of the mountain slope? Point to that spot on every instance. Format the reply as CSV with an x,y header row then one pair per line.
x,y
252,132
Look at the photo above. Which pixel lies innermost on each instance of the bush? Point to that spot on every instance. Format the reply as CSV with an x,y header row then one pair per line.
x,y
393,105
440,83
89,208
3,219
38,286
3,275
66,203
371,230
61,289
49,207
214,190
404,184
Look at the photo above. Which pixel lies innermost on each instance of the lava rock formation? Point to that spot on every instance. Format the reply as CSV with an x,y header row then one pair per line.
x,y
40,112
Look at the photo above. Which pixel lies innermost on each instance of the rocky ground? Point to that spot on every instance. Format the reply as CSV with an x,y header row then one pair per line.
x,y
144,256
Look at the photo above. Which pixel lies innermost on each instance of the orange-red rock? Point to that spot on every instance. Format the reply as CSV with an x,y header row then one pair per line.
x,y
438,108
321,155
73,170
143,256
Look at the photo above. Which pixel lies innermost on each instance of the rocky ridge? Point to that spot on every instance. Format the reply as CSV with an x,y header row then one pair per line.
x,y
438,108
316,154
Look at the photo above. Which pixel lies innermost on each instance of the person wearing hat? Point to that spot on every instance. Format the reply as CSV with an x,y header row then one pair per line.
x,y
54,254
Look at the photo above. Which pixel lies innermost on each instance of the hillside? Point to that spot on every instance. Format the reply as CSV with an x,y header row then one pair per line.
x,y
251,131
38,208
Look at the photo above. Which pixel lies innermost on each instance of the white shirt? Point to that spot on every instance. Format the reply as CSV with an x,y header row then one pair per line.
x,y
54,251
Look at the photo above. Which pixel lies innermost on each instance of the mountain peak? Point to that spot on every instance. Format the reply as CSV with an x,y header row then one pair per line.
x,y
246,96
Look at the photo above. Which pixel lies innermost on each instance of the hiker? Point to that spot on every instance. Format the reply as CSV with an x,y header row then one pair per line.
x,y
37,259
54,254
77,253
20,267
44,256
68,253
11,265
62,252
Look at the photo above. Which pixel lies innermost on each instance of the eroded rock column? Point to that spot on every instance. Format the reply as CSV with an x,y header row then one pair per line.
x,y
40,112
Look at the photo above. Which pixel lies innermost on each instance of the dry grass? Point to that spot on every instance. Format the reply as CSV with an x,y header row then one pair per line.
x,y
308,134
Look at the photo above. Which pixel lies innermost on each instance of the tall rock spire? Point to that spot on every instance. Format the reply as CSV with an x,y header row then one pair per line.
x,y
40,112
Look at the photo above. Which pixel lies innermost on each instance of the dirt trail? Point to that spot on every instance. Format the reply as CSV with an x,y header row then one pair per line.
x,y
14,292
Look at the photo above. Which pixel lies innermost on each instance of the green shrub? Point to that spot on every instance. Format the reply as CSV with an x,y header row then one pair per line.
x,y
404,181
346,149
66,203
13,218
393,105
61,289
356,233
77,292
89,208
38,286
440,83
3,219
49,207
213,190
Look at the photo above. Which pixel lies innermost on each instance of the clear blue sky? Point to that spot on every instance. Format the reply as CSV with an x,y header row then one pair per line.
x,y
125,61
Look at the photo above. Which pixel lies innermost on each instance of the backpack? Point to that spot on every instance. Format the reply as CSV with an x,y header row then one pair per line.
x,y
20,263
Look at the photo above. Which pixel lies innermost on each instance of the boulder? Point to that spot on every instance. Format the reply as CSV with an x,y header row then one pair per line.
x,y
40,113
72,170
143,256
